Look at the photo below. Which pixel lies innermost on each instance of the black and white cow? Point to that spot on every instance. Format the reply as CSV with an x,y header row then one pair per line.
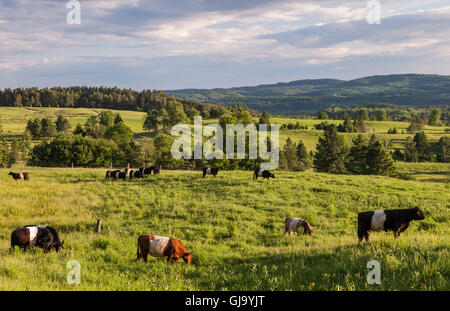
x,y
210,171
146,170
45,237
396,220
16,176
111,174
135,174
263,174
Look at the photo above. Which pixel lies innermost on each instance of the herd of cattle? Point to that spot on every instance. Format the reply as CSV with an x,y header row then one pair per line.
x,y
46,237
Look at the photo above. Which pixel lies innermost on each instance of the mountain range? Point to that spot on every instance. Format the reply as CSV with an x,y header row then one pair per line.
x,y
313,95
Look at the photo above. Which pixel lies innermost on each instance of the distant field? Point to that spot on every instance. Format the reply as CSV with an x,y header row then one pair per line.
x,y
14,122
232,224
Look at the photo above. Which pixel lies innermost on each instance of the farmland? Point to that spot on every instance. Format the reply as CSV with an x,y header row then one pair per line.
x,y
232,224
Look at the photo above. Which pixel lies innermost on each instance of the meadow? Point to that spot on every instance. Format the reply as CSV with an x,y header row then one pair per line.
x,y
234,226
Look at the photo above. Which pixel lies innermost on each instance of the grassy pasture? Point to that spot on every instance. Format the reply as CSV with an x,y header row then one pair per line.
x,y
232,224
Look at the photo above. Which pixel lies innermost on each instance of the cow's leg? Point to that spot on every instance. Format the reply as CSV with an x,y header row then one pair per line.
x,y
366,235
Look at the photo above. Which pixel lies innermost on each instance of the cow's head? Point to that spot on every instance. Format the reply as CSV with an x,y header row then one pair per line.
x,y
59,245
418,215
187,257
10,173
272,175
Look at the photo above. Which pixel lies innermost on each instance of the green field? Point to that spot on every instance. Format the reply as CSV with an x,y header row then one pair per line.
x,y
234,226
14,121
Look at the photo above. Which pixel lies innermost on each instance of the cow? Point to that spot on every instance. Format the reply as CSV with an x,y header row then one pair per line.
x,y
111,174
292,225
210,171
157,170
396,220
135,174
40,236
16,176
161,246
263,174
146,170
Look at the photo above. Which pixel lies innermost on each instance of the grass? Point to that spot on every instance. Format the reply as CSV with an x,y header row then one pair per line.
x,y
234,226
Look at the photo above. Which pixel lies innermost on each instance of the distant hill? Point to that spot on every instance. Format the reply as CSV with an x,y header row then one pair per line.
x,y
310,96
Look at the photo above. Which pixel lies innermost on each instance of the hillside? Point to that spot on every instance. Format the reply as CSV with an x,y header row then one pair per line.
x,y
310,96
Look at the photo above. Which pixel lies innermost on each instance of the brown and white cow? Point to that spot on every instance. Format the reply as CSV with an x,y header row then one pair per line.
x,y
292,225
16,176
161,246
396,220
45,237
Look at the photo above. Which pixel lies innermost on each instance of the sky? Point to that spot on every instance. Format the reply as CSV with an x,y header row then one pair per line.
x,y
177,44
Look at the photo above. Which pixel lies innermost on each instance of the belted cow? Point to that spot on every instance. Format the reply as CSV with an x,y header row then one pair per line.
x,y
292,225
396,220
16,176
263,174
210,171
111,174
135,174
161,246
146,170
45,237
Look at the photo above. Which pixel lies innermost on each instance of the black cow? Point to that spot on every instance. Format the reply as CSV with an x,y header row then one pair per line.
x,y
263,174
210,171
157,170
396,220
45,237
16,176
135,174
111,174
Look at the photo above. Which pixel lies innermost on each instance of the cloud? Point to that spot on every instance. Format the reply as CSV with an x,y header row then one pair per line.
x,y
208,42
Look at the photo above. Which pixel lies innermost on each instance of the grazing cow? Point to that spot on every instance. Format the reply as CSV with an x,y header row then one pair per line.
x,y
146,170
40,236
263,174
210,171
135,174
161,246
157,170
16,176
396,220
111,174
292,225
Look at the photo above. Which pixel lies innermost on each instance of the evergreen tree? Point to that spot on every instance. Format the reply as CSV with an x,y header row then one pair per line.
x,y
265,118
303,156
443,156
435,119
331,152
363,115
118,119
423,147
290,154
48,128
357,157
62,124
379,161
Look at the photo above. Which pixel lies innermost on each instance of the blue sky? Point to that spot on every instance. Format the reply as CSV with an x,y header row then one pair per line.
x,y
173,44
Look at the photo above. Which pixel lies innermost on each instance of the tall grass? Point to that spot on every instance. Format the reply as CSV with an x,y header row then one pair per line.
x,y
234,226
